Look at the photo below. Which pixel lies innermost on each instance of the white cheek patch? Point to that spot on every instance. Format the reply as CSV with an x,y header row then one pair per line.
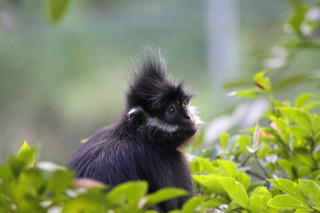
x,y
153,121
161,125
194,112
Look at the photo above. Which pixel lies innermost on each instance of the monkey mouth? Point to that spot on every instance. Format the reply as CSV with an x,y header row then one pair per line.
x,y
190,129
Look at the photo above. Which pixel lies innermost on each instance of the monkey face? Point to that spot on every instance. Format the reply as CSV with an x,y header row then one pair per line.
x,y
174,125
178,113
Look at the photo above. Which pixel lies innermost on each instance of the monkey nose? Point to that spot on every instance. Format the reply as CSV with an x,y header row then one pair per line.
x,y
187,117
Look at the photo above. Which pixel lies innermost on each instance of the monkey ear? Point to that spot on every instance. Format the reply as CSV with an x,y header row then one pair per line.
x,y
134,113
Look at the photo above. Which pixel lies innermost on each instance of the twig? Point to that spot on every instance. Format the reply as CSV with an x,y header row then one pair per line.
x,y
256,175
261,167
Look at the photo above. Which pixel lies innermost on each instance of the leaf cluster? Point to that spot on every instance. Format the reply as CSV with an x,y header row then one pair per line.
x,y
26,186
244,175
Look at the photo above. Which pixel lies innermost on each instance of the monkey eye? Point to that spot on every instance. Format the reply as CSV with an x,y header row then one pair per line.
x,y
171,109
184,104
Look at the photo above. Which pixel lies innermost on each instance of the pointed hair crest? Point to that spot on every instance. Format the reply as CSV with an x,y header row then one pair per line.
x,y
150,88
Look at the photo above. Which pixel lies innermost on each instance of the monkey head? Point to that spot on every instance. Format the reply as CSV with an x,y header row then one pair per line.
x,y
161,106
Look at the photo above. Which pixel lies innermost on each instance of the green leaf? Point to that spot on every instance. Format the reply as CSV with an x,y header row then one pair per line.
x,y
288,167
249,93
311,105
163,195
258,203
289,187
244,141
298,131
56,9
316,138
5,172
287,202
304,156
212,203
316,124
193,204
27,154
243,179
60,181
263,151
205,165
302,99
210,183
262,82
298,116
91,200
173,211
234,206
130,192
311,190
228,168
224,138
235,190
262,190
298,17
315,175
281,127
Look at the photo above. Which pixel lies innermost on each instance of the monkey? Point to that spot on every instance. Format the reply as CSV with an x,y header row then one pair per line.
x,y
145,144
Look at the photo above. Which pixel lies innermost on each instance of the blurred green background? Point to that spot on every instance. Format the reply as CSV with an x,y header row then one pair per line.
x,y
61,82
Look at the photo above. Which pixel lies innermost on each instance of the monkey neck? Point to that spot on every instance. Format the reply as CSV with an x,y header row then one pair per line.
x,y
147,133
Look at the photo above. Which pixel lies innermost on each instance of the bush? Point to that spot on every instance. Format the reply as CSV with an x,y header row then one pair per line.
x,y
287,147
47,187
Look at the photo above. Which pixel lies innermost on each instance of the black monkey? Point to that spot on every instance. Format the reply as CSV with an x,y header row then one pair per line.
x,y
144,144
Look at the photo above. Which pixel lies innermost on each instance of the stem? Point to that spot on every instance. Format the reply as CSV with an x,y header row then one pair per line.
x,y
261,167
256,175
245,161
252,173
313,208
312,156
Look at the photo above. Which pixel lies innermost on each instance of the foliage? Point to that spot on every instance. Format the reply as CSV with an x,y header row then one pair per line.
x,y
47,187
284,143
302,28
273,166
285,146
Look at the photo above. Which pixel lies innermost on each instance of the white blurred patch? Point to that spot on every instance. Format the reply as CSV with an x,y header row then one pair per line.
x,y
6,20
245,115
45,204
189,156
49,166
278,58
75,192
313,14
55,209
275,63
306,29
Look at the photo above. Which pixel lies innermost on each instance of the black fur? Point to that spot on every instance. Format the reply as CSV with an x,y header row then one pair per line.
x,y
144,144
